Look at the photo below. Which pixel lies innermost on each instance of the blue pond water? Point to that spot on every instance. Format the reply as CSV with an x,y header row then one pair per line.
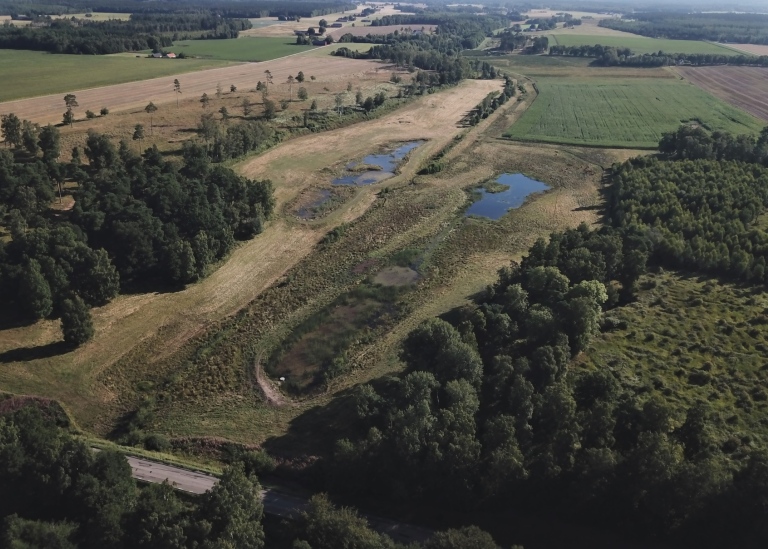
x,y
495,205
388,162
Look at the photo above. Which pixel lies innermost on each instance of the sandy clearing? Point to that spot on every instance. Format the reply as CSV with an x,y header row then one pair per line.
x,y
754,49
743,87
50,108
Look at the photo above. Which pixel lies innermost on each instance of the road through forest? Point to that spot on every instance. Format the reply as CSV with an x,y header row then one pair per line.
x,y
276,503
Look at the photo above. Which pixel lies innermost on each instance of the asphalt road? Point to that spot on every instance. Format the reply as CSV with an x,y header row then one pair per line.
x,y
181,479
276,503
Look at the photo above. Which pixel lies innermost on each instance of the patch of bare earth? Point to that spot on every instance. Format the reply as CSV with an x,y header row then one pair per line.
x,y
743,87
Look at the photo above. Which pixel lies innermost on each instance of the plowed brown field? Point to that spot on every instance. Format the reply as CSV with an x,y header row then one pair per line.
x,y
743,87
50,108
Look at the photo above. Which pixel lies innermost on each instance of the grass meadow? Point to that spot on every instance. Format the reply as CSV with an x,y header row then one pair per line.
x,y
642,44
241,49
34,73
629,112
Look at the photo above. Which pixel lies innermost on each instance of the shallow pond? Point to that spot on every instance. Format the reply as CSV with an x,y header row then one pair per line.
x,y
388,162
310,209
495,205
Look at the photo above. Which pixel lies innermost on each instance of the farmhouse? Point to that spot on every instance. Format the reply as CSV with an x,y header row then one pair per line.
x,y
171,55
157,55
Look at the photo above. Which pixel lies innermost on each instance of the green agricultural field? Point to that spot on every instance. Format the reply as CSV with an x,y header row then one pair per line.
x,y
641,44
33,73
622,112
248,48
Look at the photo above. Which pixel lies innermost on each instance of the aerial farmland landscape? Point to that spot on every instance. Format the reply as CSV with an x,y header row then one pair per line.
x,y
310,274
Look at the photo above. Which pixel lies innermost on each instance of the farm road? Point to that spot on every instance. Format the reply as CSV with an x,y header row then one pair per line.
x,y
50,108
275,502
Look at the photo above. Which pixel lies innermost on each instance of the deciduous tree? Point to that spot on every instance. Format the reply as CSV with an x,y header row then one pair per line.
x,y
76,322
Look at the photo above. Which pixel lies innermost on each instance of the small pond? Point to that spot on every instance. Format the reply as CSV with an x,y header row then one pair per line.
x,y
495,205
388,162
310,209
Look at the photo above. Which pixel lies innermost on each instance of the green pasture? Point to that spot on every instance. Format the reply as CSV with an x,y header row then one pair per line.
x,y
33,73
622,112
641,44
248,48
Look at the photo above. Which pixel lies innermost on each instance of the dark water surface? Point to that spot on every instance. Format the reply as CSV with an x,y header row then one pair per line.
x,y
495,205
388,162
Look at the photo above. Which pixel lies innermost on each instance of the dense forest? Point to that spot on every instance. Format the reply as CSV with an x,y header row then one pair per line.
x,y
142,31
609,56
740,28
137,222
226,8
66,496
489,412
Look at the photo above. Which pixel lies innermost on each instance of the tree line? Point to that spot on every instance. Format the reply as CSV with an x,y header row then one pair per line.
x,y
142,31
740,28
491,102
137,221
610,56
66,496
225,8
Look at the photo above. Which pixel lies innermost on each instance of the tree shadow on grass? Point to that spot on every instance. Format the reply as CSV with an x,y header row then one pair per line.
x,y
24,354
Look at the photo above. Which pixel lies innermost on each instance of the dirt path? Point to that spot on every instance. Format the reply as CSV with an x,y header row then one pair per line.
x,y
50,108
272,395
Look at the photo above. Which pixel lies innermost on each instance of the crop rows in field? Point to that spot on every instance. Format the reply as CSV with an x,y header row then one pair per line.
x,y
642,44
743,87
622,112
